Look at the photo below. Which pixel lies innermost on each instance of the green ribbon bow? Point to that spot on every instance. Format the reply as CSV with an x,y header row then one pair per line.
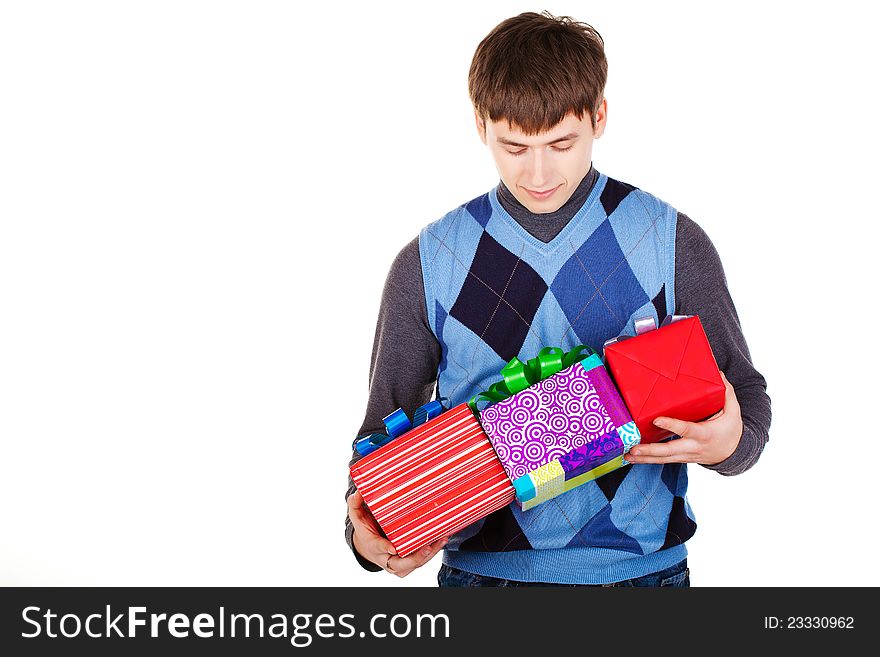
x,y
519,375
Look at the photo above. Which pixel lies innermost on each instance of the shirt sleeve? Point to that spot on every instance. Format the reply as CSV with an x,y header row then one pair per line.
x,y
405,359
701,289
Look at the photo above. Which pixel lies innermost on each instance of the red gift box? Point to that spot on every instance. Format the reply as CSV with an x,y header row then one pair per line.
x,y
433,481
669,372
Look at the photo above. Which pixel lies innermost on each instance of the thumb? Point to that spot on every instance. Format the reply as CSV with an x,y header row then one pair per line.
x,y
355,500
680,427
729,393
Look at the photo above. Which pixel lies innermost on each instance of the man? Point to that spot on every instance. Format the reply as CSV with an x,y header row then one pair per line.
x,y
558,254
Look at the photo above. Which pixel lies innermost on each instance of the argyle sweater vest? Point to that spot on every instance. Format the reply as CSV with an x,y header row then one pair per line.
x,y
493,291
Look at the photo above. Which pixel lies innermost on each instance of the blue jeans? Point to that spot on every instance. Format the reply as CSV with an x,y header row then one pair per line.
x,y
677,576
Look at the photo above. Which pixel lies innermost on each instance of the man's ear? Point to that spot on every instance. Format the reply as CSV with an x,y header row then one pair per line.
x,y
481,126
601,119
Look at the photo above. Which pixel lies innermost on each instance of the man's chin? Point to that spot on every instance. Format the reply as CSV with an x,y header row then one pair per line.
x,y
541,207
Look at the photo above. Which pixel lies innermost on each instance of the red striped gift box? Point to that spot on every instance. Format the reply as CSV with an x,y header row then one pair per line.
x,y
433,481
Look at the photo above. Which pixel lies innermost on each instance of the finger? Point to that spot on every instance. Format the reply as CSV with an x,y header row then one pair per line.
x,y
730,399
373,548
378,550
372,543
403,567
427,553
417,559
680,427
686,457
673,448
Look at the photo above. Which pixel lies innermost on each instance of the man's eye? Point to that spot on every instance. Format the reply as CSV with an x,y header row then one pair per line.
x,y
521,151
562,150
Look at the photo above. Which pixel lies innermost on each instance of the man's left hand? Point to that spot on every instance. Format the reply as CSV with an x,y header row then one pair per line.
x,y
708,442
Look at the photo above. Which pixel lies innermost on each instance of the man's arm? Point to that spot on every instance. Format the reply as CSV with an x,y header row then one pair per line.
x,y
701,289
406,355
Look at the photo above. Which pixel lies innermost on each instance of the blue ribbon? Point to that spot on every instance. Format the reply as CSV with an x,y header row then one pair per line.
x,y
396,424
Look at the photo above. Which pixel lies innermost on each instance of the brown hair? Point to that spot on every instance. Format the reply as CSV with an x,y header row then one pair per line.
x,y
533,69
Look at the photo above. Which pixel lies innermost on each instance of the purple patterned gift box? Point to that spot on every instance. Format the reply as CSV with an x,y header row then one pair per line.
x,y
560,432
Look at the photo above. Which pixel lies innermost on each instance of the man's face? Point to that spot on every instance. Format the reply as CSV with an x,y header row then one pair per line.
x,y
542,171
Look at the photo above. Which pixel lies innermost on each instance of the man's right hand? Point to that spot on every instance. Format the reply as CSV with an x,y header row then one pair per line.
x,y
372,546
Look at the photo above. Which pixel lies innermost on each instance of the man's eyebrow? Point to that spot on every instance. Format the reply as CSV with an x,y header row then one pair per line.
x,y
508,142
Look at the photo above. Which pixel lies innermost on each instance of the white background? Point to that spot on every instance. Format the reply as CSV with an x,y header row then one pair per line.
x,y
200,202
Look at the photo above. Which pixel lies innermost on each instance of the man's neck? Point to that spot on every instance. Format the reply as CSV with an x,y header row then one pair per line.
x,y
548,225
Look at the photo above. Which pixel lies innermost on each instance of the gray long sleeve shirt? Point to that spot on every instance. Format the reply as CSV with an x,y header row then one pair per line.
x,y
700,289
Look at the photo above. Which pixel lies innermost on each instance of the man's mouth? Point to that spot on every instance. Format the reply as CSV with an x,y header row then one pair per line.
x,y
539,195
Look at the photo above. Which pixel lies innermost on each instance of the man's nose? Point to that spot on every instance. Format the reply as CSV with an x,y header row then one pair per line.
x,y
538,167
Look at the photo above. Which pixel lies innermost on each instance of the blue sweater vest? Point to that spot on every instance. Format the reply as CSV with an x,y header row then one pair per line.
x,y
493,291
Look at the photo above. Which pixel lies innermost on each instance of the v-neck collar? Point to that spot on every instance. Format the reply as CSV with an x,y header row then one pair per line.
x,y
580,218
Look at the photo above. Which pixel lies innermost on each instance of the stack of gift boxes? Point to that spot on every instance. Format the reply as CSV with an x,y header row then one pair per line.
x,y
550,425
